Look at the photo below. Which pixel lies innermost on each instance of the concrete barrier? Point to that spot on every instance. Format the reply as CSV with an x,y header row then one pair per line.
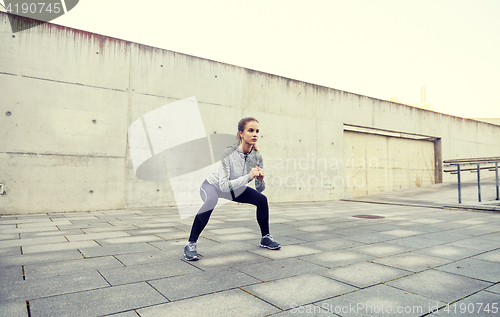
x,y
69,96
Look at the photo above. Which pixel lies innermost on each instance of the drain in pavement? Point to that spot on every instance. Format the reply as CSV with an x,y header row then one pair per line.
x,y
368,216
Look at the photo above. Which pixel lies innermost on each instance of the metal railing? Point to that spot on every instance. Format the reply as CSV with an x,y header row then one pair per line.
x,y
463,165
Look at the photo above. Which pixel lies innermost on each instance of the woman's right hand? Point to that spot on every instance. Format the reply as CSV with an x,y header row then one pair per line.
x,y
254,172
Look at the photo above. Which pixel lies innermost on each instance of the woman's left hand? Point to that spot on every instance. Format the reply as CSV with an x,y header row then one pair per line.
x,y
262,174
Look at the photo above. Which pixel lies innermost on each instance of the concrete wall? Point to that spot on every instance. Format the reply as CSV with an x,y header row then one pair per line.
x,y
379,163
489,120
72,95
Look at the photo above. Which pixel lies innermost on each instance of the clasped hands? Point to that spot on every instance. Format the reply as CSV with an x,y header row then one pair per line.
x,y
257,172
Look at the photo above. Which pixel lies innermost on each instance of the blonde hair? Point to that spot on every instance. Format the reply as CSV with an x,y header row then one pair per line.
x,y
241,128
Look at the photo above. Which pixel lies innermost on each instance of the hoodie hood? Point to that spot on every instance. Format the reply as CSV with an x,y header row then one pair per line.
x,y
236,147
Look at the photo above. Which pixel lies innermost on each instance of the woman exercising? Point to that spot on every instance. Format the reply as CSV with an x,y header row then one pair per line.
x,y
240,164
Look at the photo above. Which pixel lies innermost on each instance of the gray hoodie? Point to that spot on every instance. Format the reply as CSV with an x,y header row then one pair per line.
x,y
232,173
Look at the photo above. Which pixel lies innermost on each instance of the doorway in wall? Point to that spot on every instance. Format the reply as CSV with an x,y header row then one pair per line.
x,y
377,161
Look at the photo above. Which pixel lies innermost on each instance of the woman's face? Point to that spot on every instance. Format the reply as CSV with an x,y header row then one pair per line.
x,y
250,134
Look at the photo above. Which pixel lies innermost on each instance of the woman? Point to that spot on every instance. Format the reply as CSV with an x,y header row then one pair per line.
x,y
240,164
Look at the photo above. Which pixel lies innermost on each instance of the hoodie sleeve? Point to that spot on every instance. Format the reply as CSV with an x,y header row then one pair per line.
x,y
260,185
227,185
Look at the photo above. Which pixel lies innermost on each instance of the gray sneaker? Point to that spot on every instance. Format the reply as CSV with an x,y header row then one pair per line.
x,y
267,241
190,253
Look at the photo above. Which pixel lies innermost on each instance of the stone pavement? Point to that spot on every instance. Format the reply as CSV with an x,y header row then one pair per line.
x,y
442,195
128,263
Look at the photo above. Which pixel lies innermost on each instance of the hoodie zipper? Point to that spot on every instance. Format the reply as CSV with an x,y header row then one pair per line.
x,y
245,165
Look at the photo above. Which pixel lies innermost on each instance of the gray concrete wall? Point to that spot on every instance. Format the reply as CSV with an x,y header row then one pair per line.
x,y
72,96
489,120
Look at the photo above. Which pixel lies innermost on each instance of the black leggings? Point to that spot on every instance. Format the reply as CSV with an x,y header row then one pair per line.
x,y
210,196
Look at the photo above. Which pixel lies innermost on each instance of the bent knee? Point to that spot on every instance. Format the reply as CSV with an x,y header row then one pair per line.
x,y
262,200
211,202
209,205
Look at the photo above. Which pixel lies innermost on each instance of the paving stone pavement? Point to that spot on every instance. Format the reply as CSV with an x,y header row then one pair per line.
x,y
416,261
